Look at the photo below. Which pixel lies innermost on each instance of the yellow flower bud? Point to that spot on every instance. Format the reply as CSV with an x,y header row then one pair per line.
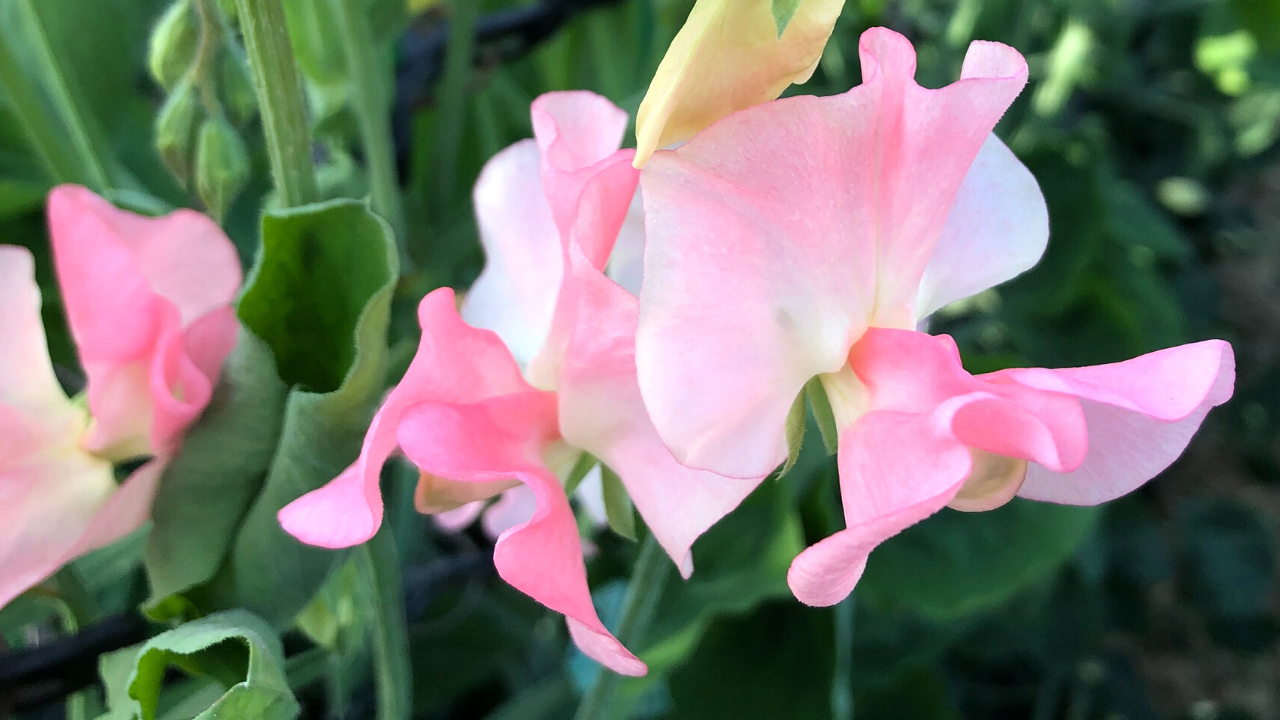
x,y
728,57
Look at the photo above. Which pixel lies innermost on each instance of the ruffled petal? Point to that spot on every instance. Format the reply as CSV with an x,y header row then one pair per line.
x,y
502,438
515,295
1141,414
601,411
997,230
455,363
777,235
132,287
728,57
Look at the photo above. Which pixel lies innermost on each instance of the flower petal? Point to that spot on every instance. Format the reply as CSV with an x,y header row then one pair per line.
x,y
727,57
776,236
515,295
60,505
455,363
997,229
26,374
601,411
1141,414
502,438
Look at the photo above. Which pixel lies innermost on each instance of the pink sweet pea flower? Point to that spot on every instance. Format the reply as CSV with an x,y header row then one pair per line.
x,y
809,237
544,371
148,303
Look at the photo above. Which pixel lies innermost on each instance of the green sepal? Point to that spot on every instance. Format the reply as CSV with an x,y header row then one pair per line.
x,y
585,462
795,432
783,11
617,504
826,420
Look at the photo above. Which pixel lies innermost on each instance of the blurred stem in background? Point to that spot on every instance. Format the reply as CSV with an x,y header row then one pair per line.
x,y
842,678
648,578
372,109
379,565
284,115
453,100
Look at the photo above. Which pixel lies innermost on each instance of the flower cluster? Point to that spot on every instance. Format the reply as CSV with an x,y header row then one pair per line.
x,y
667,331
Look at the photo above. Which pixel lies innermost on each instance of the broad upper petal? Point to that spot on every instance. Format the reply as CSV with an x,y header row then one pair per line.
x,y
455,363
27,381
997,229
776,236
727,57
515,295
601,412
1141,415
502,438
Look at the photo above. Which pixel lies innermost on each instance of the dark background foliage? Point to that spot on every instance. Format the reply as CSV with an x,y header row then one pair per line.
x,y
1153,127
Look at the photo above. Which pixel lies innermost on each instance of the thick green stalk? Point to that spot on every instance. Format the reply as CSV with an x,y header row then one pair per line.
x,y
842,679
80,153
372,112
638,606
379,565
280,100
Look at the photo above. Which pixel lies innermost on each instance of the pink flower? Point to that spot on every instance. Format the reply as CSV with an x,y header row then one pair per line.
x,y
544,371
809,237
148,302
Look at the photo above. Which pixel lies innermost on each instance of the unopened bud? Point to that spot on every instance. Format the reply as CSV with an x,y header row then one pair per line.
x,y
237,87
222,165
176,129
173,44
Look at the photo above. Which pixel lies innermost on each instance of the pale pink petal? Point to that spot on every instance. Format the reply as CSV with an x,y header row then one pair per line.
x,y
515,295
1141,414
601,412
26,375
131,286
896,469
61,504
626,262
514,507
777,235
502,438
455,363
459,518
997,229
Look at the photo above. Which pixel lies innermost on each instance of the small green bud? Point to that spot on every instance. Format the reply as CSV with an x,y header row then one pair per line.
x,y
173,44
222,165
237,87
176,130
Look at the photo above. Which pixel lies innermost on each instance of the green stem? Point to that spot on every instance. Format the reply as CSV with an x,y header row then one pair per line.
x,y
371,108
280,100
89,167
453,99
643,592
379,565
842,680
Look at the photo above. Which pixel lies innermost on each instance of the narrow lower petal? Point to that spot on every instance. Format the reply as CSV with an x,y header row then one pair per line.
x,y
601,411
455,363
502,438
1141,414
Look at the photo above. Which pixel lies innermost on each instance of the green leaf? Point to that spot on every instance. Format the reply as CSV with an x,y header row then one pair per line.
x,y
617,504
822,413
320,298
783,11
235,649
795,432
955,563
206,490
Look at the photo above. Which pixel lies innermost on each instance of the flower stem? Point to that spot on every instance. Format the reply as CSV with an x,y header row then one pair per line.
x,y
372,112
280,100
379,565
638,606
842,679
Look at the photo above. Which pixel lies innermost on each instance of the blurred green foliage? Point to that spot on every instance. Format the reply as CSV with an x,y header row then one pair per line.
x,y
1153,127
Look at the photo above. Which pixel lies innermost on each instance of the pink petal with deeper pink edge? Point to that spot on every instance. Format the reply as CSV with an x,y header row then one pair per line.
x,y
601,412
502,438
455,363
997,229
1141,415
132,286
777,235
515,295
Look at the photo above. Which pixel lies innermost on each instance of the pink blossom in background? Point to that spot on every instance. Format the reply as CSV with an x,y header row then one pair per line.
x,y
148,301
538,367
808,237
